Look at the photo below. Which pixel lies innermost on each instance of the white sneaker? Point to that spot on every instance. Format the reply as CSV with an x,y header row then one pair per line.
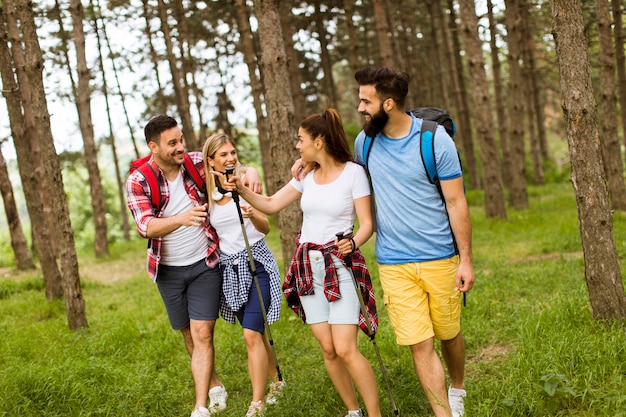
x,y
456,398
255,409
217,399
201,412
355,413
276,390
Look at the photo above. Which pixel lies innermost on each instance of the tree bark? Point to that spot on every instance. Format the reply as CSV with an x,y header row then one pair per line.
x,y
24,131
249,55
154,59
498,88
23,260
74,302
121,189
494,194
465,134
83,106
280,114
620,60
382,33
602,271
327,64
182,97
518,194
293,61
611,152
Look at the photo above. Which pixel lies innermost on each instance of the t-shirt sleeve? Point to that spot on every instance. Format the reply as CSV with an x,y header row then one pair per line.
x,y
297,184
447,157
361,185
358,147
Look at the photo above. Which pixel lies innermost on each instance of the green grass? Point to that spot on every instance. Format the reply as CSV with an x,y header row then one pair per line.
x,y
533,348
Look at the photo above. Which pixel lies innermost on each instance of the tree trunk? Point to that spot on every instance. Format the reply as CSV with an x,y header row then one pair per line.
x,y
465,133
121,188
498,88
83,105
74,302
382,33
154,58
24,131
518,194
438,84
494,194
280,115
23,260
353,47
189,67
182,97
131,132
609,140
620,60
293,61
327,65
249,55
602,271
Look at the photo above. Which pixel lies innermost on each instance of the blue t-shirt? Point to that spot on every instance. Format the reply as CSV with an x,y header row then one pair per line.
x,y
413,225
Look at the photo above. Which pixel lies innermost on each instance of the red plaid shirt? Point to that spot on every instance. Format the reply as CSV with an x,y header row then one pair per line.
x,y
299,280
140,205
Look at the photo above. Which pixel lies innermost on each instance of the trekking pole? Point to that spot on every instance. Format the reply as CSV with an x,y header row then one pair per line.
x,y
235,195
368,323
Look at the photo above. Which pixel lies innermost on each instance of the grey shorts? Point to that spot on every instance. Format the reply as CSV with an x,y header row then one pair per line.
x,y
317,308
190,292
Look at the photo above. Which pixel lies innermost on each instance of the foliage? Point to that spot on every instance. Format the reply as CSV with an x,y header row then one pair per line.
x,y
533,347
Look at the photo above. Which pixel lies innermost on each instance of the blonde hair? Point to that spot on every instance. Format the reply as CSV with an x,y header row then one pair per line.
x,y
211,146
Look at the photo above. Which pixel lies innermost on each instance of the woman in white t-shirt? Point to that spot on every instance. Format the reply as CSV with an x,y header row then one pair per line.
x,y
241,300
318,286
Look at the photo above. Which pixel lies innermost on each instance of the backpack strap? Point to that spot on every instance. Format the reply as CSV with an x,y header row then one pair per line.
x,y
427,149
367,147
193,172
153,182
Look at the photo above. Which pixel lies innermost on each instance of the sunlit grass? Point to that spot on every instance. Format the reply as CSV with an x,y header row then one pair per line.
x,y
533,348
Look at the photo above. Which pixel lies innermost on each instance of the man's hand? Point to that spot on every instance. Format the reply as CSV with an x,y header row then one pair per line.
x,y
252,180
299,169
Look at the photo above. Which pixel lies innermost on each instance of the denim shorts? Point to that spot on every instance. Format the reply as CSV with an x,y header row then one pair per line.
x,y
190,292
317,308
250,315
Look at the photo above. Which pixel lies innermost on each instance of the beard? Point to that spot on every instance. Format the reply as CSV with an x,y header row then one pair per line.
x,y
376,123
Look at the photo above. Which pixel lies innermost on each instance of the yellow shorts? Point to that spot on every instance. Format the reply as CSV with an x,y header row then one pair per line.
x,y
421,301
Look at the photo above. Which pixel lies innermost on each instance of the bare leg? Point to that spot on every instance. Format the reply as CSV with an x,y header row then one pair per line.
x,y
429,370
453,351
272,372
335,367
189,346
199,342
257,363
345,343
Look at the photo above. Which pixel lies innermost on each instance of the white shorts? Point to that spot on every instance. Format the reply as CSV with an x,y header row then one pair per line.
x,y
317,308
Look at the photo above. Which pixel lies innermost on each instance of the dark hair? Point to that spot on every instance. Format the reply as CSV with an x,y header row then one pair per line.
x,y
328,126
157,125
388,82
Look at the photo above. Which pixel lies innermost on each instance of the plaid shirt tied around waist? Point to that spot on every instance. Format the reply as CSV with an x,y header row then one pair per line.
x,y
299,280
237,280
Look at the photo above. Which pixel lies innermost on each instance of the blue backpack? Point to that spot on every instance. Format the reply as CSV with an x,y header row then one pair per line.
x,y
432,117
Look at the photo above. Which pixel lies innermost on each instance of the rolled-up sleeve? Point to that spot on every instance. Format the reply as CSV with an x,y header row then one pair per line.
x,y
138,200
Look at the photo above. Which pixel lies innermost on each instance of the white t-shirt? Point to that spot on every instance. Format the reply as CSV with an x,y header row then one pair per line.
x,y
328,209
225,220
187,244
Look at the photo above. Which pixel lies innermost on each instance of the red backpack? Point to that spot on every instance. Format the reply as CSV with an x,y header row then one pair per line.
x,y
150,174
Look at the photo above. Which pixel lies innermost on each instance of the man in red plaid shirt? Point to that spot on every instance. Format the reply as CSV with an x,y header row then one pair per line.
x,y
183,256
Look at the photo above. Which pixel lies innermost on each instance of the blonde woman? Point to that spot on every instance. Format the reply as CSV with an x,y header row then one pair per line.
x,y
240,293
